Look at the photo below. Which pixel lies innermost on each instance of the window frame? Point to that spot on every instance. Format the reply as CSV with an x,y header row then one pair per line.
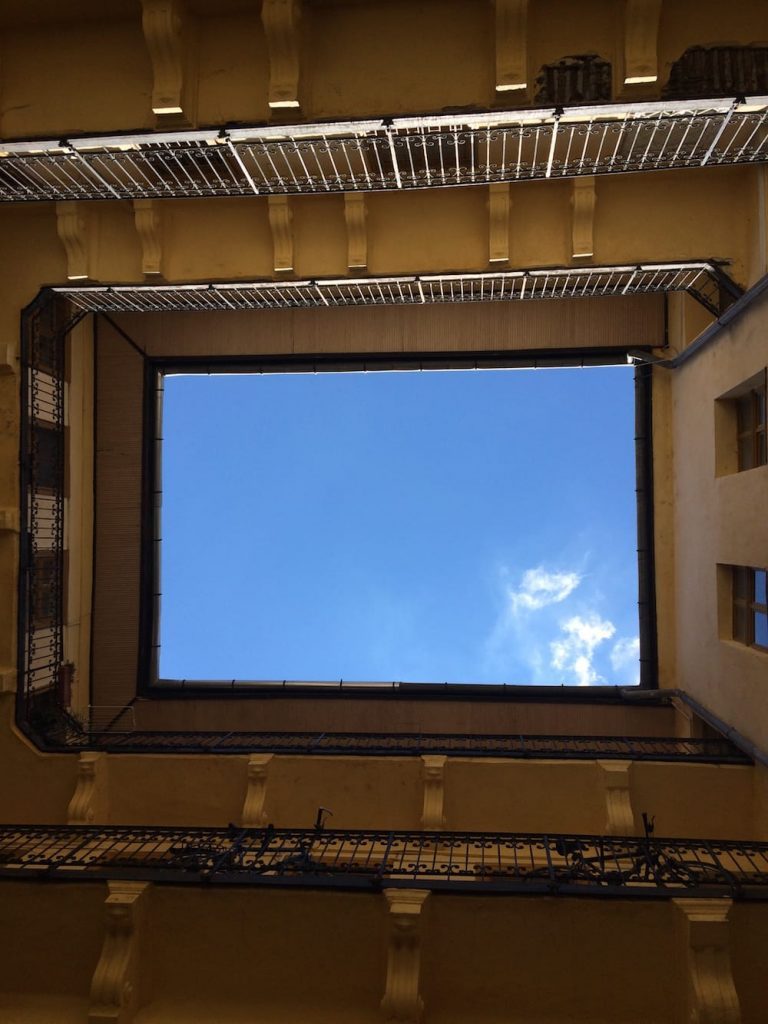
x,y
745,605
751,429
741,416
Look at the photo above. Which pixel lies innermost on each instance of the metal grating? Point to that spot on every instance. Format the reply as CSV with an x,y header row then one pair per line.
x,y
401,153
123,737
454,861
703,280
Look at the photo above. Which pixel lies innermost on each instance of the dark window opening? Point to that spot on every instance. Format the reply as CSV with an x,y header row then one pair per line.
x,y
719,71
580,79
47,456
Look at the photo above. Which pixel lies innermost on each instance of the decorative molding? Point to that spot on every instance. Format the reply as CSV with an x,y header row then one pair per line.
x,y
357,235
710,992
254,814
511,45
280,223
620,819
89,801
146,216
280,19
114,995
433,774
72,226
163,25
498,222
641,34
402,1002
9,520
583,199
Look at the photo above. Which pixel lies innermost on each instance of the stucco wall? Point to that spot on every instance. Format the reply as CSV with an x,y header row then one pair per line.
x,y
717,520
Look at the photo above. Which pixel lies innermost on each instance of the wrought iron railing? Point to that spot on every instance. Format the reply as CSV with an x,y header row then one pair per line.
x,y
455,861
42,673
400,153
703,280
634,748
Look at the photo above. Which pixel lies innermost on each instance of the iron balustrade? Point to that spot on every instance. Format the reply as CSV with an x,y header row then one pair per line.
x,y
500,862
41,592
703,280
634,748
390,154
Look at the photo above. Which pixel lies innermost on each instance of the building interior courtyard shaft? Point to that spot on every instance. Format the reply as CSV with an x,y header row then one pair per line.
x,y
312,186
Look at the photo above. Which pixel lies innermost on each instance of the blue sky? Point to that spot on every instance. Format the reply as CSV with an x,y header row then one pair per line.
x,y
461,526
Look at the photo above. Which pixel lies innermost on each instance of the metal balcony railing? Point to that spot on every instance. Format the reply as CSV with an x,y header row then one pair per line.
x,y
390,154
498,862
634,748
704,280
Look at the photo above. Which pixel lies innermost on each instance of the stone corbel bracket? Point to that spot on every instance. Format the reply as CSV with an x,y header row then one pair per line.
x,y
357,235
498,222
165,33
8,360
280,19
89,801
620,818
511,46
583,198
433,774
73,227
254,812
281,226
9,520
146,216
8,680
641,34
710,993
402,1002
114,988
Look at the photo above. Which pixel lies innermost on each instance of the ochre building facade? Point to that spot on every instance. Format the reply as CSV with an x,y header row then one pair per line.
x,y
372,185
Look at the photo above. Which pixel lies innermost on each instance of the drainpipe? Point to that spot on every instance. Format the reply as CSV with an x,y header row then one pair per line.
x,y
645,555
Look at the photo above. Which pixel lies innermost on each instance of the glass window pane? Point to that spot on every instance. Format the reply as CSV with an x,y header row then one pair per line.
x,y
761,629
741,583
762,456
746,452
760,579
745,408
760,407
740,623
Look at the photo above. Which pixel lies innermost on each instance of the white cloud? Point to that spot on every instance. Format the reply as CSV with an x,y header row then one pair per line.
x,y
625,652
540,588
574,652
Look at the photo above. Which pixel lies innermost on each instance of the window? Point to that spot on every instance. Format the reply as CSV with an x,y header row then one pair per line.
x,y
750,607
740,427
751,434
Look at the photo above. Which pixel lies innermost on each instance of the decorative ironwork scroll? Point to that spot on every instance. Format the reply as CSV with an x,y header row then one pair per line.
x,y
468,861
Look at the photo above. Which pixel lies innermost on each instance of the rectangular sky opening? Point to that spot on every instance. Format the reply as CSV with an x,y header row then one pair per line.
x,y
463,526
